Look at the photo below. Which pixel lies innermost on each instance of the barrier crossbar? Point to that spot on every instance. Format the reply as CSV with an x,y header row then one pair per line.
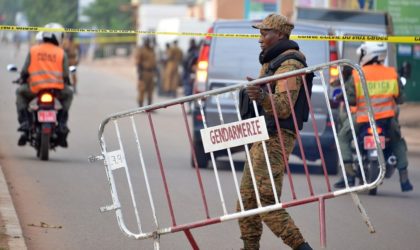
x,y
129,160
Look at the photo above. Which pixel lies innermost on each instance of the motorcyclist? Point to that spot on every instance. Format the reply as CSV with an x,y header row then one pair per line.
x,y
46,67
385,94
344,135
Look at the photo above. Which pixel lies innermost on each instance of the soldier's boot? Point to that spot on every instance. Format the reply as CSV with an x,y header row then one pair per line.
x,y
23,119
251,244
404,181
304,246
63,130
24,126
351,177
149,99
23,139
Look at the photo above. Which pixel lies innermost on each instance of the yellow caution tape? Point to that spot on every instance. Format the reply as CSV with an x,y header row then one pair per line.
x,y
109,39
347,38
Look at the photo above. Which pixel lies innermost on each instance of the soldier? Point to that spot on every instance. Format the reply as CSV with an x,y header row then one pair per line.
x,y
146,69
344,135
275,31
172,78
72,52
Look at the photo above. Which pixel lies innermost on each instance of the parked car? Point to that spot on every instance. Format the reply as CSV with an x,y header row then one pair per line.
x,y
224,61
351,22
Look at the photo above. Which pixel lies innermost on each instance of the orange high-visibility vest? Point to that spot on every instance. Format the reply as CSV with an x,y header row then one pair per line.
x,y
46,67
383,88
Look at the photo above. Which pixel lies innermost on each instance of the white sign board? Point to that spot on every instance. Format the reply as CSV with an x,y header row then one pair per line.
x,y
116,159
234,134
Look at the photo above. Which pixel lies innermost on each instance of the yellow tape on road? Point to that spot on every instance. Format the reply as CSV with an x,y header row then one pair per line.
x,y
352,38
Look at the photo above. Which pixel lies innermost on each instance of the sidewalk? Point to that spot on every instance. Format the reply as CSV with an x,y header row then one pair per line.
x,y
10,231
410,126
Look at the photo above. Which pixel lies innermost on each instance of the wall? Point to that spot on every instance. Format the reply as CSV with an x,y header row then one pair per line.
x,y
229,9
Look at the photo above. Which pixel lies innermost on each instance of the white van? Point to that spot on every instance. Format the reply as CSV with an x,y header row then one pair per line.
x,y
351,22
180,25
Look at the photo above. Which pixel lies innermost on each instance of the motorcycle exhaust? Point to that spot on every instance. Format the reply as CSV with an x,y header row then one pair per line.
x,y
392,160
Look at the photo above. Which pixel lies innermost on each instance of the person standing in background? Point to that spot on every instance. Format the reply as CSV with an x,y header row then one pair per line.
x,y
72,51
145,58
172,78
190,61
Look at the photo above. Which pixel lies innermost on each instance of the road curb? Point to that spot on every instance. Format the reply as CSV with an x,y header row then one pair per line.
x,y
9,216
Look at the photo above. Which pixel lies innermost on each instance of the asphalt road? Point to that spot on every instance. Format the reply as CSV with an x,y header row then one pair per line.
x,y
66,192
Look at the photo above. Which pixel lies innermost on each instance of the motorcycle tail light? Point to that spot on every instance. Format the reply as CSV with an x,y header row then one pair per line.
x,y
370,130
46,98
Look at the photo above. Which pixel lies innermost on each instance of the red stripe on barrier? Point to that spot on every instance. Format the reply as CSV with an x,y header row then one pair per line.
x,y
196,224
200,182
302,152
162,171
190,238
285,158
306,200
316,131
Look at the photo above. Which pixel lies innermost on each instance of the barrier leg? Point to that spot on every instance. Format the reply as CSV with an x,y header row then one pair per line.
x,y
362,211
322,227
156,238
191,239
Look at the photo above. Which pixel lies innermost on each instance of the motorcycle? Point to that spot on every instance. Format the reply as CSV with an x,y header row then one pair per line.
x,y
369,152
44,133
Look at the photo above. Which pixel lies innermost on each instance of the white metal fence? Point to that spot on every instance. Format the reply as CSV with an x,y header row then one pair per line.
x,y
133,149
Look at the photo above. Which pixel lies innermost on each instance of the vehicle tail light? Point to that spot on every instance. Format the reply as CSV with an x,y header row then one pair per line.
x,y
46,98
370,130
199,118
202,65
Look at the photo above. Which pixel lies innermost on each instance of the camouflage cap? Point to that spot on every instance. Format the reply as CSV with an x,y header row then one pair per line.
x,y
275,22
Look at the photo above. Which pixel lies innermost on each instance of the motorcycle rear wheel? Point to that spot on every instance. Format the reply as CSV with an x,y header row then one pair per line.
x,y
373,172
44,147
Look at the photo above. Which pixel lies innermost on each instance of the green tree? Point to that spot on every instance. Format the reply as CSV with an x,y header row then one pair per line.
x,y
41,12
8,10
109,14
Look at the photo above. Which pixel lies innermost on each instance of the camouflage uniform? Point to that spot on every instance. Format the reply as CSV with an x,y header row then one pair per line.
x,y
146,69
72,52
279,221
172,78
344,134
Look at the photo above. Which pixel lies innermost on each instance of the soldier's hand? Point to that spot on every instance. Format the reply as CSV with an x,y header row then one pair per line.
x,y
253,92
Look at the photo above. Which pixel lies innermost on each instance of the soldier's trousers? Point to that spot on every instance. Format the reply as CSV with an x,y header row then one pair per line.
x,y
279,221
345,139
24,95
398,144
145,86
171,77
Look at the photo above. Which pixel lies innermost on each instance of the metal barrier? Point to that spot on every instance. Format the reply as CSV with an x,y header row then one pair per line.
x,y
127,165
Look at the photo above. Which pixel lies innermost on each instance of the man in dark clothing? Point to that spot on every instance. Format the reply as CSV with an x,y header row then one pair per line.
x,y
189,67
